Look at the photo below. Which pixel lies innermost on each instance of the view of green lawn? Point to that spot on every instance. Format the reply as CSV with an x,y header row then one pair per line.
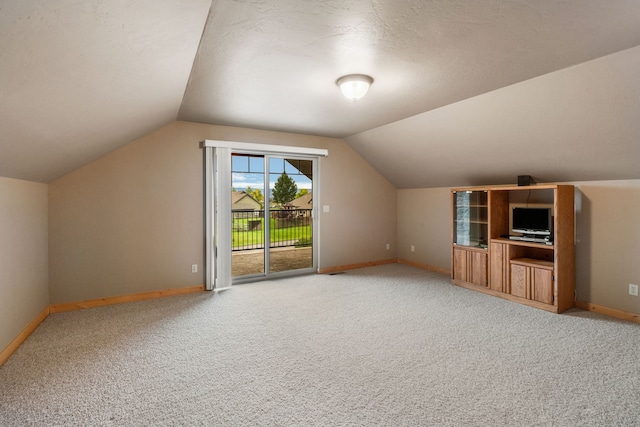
x,y
247,233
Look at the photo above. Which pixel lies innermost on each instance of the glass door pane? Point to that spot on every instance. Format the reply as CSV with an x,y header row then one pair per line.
x,y
290,214
247,211
470,218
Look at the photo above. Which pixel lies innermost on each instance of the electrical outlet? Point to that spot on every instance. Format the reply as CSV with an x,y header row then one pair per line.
x,y
633,289
413,248
194,268
388,246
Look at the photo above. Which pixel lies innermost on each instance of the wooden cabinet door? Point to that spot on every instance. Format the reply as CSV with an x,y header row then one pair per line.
x,y
542,285
519,280
470,266
499,268
459,264
478,268
532,283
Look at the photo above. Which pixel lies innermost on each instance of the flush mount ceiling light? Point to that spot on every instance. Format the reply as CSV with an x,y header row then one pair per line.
x,y
354,86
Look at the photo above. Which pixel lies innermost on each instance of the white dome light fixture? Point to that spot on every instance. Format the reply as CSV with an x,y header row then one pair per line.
x,y
354,86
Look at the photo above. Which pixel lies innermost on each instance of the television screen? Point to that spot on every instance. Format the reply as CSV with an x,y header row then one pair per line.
x,y
531,220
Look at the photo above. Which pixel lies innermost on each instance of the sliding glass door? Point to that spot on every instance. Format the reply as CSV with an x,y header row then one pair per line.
x,y
291,214
272,214
260,204
248,215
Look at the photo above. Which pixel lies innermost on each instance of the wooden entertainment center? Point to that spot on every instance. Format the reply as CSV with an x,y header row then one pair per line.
x,y
486,257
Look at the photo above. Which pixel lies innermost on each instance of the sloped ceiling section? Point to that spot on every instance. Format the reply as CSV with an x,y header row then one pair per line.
x,y
576,124
79,79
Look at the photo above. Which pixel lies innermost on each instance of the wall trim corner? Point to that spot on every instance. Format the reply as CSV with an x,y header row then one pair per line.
x,y
6,353
23,335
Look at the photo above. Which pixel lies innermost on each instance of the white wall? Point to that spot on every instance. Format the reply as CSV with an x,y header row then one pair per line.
x,y
23,255
607,243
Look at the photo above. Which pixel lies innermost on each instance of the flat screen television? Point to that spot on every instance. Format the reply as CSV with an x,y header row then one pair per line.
x,y
536,221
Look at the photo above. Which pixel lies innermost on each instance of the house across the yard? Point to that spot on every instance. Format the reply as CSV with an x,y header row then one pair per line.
x,y
241,201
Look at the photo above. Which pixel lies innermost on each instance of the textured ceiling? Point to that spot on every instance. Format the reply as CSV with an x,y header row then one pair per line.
x,y
273,64
81,78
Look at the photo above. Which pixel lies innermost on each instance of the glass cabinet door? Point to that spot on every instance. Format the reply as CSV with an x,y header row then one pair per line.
x,y
470,222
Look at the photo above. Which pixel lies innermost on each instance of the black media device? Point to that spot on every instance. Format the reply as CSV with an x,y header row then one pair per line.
x,y
532,221
525,180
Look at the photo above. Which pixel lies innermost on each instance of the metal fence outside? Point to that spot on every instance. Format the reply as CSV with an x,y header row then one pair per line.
x,y
288,227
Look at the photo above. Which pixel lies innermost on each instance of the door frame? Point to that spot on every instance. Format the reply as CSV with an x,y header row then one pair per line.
x,y
217,171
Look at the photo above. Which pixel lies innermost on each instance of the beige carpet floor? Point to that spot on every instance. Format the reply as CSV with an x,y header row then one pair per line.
x,y
389,345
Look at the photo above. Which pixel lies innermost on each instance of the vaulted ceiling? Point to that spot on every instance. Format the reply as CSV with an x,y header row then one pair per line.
x,y
79,79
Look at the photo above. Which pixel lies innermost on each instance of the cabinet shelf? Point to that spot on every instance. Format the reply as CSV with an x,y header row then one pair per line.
x,y
522,243
531,262
473,246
